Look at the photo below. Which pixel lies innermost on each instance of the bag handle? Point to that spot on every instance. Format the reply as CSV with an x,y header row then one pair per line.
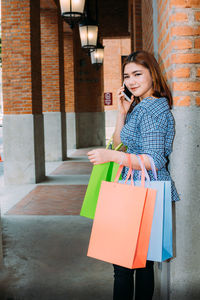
x,y
116,148
153,167
141,162
131,171
144,171
121,168
109,142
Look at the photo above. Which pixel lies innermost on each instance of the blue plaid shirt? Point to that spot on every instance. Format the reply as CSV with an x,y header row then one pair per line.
x,y
149,129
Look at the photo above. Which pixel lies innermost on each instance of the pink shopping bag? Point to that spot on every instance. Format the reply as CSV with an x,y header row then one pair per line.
x,y
122,223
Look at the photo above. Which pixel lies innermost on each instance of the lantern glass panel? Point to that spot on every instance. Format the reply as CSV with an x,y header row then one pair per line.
x,y
97,56
77,6
88,35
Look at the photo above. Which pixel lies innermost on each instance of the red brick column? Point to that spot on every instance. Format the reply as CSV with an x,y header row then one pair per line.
x,y
113,76
50,60
136,35
89,103
88,80
113,66
147,25
53,90
69,89
179,31
69,72
22,93
179,50
21,57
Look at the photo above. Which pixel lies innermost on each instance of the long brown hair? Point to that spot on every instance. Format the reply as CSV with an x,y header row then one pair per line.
x,y
146,59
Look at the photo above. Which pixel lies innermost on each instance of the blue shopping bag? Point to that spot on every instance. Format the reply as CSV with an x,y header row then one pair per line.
x,y
160,244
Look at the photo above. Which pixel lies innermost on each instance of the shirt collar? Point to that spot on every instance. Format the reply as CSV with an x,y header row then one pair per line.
x,y
157,104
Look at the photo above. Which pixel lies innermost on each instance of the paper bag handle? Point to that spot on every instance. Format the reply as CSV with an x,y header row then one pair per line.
x,y
153,167
131,171
118,146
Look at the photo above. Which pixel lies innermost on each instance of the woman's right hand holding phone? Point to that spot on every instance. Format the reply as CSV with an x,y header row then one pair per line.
x,y
123,108
123,104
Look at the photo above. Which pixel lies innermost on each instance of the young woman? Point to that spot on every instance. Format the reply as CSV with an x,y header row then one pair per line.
x,y
146,126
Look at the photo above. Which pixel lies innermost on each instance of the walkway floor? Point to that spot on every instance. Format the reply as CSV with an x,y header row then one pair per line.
x,y
45,240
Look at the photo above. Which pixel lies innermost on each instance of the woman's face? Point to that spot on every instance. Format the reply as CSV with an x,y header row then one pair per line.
x,y
138,79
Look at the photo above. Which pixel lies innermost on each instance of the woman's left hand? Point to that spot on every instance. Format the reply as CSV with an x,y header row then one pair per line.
x,y
100,156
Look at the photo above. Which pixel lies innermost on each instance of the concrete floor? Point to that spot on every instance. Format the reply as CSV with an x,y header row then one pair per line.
x,y
45,255
45,258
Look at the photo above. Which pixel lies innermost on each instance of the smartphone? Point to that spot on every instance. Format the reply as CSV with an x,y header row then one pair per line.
x,y
127,93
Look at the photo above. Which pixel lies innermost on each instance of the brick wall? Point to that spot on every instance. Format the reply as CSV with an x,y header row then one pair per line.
x,y
147,25
50,60
179,31
112,66
137,25
113,18
61,61
69,72
88,80
21,73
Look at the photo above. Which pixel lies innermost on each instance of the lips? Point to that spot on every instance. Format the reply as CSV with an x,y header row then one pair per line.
x,y
133,89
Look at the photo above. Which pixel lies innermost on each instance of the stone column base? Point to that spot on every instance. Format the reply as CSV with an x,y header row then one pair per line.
x,y
23,137
55,136
90,129
185,171
71,131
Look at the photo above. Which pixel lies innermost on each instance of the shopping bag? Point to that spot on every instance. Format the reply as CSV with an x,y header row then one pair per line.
x,y
122,224
160,244
107,172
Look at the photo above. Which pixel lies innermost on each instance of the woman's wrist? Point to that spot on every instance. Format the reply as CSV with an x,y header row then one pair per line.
x,y
122,115
118,157
122,158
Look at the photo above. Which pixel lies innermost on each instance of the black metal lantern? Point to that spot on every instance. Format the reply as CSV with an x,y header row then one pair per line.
x,y
97,55
88,33
72,11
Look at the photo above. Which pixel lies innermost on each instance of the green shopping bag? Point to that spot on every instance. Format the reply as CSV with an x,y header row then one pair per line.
x,y
101,172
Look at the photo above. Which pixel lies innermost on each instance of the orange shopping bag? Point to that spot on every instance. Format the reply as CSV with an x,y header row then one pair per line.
x,y
122,223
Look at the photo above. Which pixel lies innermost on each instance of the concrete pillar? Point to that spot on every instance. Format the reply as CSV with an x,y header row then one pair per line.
x,y
185,70
185,268
150,28
22,93
53,84
178,48
89,105
1,246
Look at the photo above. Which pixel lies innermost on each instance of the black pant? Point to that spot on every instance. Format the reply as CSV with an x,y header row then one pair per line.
x,y
124,284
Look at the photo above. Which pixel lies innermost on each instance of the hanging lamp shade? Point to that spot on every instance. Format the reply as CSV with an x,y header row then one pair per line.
x,y
72,10
88,33
97,55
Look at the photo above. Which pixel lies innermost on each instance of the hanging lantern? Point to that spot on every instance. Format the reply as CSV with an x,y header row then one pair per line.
x,y
97,55
88,33
72,10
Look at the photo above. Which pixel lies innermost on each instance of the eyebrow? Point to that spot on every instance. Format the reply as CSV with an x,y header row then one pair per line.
x,y
133,72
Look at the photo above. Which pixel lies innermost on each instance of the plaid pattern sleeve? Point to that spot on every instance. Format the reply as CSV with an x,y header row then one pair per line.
x,y
153,132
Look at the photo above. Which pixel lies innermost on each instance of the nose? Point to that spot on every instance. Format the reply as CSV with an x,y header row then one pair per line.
x,y
131,81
